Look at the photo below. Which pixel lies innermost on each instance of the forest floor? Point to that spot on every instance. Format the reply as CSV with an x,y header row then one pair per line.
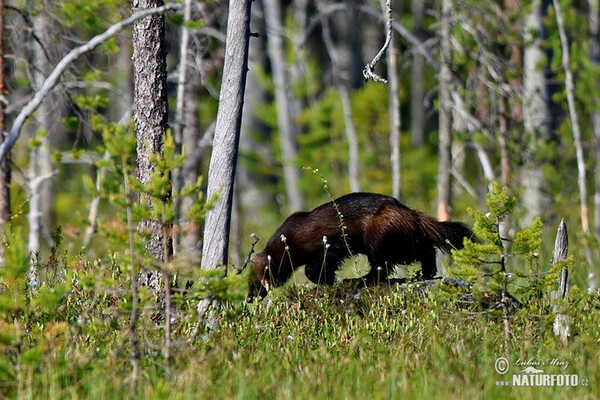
x,y
315,342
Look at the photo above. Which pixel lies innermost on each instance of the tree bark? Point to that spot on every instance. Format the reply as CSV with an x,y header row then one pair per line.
x,y
417,82
287,129
223,160
561,321
445,116
150,109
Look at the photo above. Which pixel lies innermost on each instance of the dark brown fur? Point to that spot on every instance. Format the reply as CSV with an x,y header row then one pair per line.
x,y
379,226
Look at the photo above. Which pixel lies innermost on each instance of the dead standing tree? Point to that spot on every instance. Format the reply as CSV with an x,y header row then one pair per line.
x,y
561,247
223,159
285,117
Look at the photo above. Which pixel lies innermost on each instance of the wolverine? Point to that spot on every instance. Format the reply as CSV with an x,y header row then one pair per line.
x,y
386,231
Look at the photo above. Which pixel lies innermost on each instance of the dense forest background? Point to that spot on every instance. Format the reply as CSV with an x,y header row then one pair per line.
x,y
116,125
478,92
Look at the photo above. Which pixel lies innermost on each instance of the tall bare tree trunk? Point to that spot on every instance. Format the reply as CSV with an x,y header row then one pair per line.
x,y
394,111
150,107
536,114
286,126
223,160
417,82
445,122
40,168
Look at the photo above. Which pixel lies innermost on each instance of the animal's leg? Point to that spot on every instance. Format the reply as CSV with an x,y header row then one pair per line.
x,y
428,264
379,272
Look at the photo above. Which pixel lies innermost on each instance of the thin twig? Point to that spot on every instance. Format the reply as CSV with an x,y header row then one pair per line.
x,y
248,259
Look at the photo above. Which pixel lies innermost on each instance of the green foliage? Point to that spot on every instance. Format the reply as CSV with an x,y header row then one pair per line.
x,y
388,343
498,264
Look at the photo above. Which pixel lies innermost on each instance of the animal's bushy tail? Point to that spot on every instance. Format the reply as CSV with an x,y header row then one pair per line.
x,y
446,235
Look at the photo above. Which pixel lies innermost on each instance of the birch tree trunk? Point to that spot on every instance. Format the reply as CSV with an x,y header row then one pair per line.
x,y
536,114
223,160
150,107
287,129
445,115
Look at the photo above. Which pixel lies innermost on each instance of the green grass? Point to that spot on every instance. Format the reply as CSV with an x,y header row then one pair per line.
x,y
323,343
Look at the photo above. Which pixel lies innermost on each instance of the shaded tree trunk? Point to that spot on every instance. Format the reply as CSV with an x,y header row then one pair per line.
x,y
186,130
283,95
417,82
40,185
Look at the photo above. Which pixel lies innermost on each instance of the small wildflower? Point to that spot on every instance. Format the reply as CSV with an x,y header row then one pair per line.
x,y
268,258
253,235
283,238
289,337
327,245
287,248
325,239
379,268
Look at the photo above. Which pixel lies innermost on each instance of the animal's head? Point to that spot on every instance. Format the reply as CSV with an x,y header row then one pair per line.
x,y
261,276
